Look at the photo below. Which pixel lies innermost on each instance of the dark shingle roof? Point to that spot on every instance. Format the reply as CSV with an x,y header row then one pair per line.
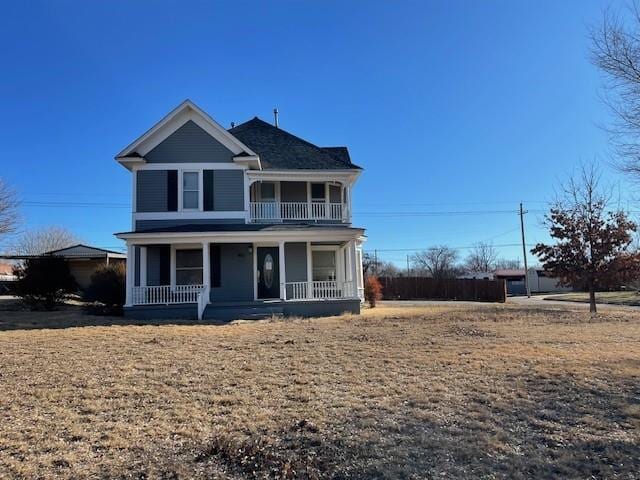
x,y
281,150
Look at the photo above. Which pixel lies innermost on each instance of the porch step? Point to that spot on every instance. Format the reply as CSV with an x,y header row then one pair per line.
x,y
226,313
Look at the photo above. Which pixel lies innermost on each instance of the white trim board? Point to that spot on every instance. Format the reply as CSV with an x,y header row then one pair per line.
x,y
189,166
335,235
190,215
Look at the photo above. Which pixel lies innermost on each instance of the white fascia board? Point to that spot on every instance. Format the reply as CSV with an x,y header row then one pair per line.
x,y
305,175
143,238
184,112
190,215
190,166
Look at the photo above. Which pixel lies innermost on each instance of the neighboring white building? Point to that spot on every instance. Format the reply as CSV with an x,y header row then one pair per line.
x,y
539,281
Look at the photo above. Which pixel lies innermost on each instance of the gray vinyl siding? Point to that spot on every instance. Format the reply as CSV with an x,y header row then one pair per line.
x,y
295,264
153,265
236,273
152,224
189,144
151,191
228,190
293,191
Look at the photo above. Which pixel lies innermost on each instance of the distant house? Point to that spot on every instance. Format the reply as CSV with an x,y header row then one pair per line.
x,y
477,275
83,260
540,281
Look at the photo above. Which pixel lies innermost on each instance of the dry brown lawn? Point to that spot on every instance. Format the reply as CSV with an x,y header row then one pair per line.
x,y
465,392
615,298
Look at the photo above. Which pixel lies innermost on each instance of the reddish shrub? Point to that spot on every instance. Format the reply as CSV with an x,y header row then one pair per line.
x,y
372,290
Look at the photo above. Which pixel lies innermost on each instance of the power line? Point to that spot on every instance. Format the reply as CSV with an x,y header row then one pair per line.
x,y
504,245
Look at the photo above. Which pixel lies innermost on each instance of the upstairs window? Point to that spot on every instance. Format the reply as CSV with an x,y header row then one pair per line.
x,y
190,190
317,192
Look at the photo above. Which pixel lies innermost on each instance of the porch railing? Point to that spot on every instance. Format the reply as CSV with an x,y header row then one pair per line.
x,y
279,211
320,290
166,294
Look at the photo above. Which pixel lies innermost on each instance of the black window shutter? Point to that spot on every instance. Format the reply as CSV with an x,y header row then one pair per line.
x,y
207,182
172,190
165,264
214,259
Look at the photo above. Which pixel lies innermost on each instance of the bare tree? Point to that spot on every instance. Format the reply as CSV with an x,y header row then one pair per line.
x,y
438,262
593,244
616,52
380,268
36,242
482,258
507,263
8,209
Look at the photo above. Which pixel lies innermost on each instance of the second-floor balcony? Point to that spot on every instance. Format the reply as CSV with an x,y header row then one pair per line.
x,y
279,200
273,211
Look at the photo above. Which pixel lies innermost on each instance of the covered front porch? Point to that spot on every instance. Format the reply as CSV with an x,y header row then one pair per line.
x,y
218,273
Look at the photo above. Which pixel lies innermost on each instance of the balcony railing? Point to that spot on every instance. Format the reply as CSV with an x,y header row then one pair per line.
x,y
281,211
320,290
166,294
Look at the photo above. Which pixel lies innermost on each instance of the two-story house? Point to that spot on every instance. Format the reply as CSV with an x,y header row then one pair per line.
x,y
245,222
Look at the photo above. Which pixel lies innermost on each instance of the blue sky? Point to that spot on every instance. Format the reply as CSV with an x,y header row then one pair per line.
x,y
448,105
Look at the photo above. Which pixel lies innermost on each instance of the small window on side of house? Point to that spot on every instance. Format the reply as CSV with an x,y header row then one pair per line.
x,y
190,190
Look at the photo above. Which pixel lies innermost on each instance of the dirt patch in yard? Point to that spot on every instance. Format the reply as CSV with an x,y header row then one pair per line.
x,y
395,393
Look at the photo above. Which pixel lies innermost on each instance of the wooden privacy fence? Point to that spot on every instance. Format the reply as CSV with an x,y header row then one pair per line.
x,y
424,288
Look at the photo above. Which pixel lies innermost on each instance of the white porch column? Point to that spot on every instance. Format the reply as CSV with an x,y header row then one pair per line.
x,y
172,266
359,272
282,269
206,267
341,267
347,204
309,271
131,264
143,266
352,268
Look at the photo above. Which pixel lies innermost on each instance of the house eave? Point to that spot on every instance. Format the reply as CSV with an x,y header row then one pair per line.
x,y
337,234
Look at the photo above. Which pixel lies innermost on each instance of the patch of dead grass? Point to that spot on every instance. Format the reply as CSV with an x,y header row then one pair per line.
x,y
417,392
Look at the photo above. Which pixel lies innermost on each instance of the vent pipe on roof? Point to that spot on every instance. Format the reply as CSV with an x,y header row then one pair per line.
x,y
233,124
275,117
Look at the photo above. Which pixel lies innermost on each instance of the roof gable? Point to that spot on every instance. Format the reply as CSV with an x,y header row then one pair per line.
x,y
187,111
189,144
80,250
279,149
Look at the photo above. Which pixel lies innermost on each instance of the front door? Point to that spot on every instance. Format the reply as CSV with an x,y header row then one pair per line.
x,y
268,272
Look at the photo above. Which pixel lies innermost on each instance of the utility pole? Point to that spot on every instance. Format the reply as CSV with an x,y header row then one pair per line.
x,y
408,269
524,252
